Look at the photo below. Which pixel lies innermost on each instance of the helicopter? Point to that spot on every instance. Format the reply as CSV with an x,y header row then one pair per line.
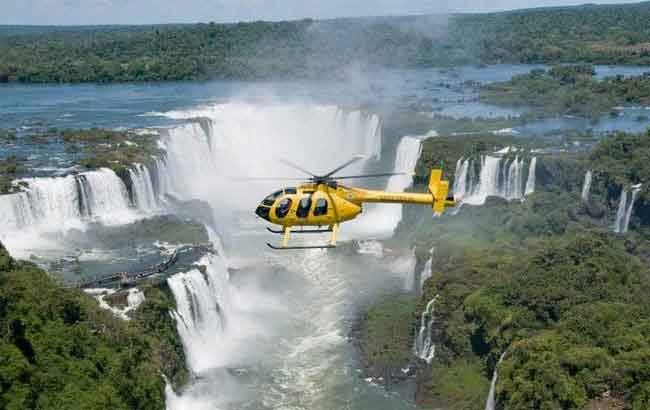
x,y
322,201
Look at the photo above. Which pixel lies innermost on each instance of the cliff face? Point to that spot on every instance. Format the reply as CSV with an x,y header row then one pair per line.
x,y
61,351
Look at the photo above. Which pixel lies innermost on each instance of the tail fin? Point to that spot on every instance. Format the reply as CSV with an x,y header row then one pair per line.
x,y
439,189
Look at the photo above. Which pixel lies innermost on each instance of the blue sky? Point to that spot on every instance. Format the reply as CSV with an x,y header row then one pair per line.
x,y
169,11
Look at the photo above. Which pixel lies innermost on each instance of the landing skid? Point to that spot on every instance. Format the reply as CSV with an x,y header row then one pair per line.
x,y
286,232
288,248
300,231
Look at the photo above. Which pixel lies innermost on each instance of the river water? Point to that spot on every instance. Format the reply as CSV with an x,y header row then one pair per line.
x,y
261,329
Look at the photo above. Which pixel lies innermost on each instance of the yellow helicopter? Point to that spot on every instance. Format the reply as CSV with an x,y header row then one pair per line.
x,y
323,202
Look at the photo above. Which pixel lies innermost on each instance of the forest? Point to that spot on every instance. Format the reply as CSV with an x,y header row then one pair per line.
x,y
543,280
570,90
611,34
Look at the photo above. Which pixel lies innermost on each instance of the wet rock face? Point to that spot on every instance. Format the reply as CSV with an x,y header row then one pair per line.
x,y
4,78
593,209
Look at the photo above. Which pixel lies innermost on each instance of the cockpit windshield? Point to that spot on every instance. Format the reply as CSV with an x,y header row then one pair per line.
x,y
270,200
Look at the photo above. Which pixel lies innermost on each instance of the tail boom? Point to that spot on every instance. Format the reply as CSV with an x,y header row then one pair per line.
x,y
436,198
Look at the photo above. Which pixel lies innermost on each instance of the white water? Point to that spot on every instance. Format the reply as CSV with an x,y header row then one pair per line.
x,y
427,269
52,206
291,346
624,212
424,347
380,220
586,186
497,177
530,182
134,299
490,403
202,306
144,194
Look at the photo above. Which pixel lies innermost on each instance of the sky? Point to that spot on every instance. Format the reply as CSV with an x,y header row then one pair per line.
x,y
87,12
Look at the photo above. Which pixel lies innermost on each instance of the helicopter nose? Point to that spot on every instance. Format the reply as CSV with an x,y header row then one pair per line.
x,y
263,212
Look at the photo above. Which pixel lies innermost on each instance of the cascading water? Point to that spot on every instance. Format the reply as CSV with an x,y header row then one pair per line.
x,y
586,186
497,177
54,205
635,193
142,187
380,220
208,163
624,212
202,304
424,347
530,182
490,403
620,213
426,270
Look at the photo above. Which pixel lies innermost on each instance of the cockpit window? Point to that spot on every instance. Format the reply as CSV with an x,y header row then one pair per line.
x,y
282,209
303,207
321,207
270,200
290,190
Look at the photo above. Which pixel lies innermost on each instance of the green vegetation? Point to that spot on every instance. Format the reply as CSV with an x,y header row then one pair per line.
x,y
386,335
117,150
543,279
610,34
9,170
569,90
60,351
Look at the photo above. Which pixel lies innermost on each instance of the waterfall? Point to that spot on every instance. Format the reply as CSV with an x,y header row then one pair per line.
x,y
624,212
426,271
497,177
460,179
424,347
142,186
530,182
586,186
61,202
620,213
490,403
246,140
202,305
380,220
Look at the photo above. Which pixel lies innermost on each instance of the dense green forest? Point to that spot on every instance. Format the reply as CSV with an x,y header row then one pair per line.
x,y
59,350
597,34
544,280
570,89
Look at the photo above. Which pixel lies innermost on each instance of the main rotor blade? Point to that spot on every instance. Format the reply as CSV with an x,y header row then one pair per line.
x,y
350,162
298,167
390,174
269,179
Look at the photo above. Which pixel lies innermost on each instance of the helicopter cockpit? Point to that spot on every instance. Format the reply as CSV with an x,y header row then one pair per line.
x,y
282,202
282,197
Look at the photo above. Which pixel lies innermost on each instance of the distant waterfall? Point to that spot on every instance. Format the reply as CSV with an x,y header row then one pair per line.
x,y
202,300
530,182
142,186
60,202
426,271
624,212
586,186
247,140
497,176
424,347
490,403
